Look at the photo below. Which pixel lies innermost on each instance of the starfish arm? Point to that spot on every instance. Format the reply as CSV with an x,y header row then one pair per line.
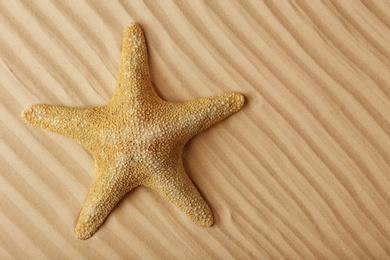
x,y
70,122
133,78
107,189
177,188
200,114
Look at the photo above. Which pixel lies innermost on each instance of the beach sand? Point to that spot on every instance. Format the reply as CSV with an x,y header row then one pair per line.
x,y
301,172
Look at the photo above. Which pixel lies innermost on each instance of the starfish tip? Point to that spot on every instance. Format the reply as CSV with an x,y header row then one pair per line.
x,y
30,114
133,25
238,100
133,28
209,222
82,234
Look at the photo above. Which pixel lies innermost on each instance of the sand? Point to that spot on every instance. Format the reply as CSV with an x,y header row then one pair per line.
x,y
302,172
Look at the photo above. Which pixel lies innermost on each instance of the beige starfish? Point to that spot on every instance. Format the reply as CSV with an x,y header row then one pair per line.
x,y
136,138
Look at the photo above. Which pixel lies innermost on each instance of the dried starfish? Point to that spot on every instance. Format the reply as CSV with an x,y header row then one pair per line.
x,y
136,138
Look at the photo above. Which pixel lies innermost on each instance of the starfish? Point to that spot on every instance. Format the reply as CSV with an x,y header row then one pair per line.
x,y
136,138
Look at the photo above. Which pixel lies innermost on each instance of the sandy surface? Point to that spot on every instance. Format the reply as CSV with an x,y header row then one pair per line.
x,y
302,172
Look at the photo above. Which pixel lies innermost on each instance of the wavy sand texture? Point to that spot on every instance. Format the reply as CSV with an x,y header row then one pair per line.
x,y
302,172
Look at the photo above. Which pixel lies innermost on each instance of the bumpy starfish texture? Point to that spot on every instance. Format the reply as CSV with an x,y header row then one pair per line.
x,y
136,138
